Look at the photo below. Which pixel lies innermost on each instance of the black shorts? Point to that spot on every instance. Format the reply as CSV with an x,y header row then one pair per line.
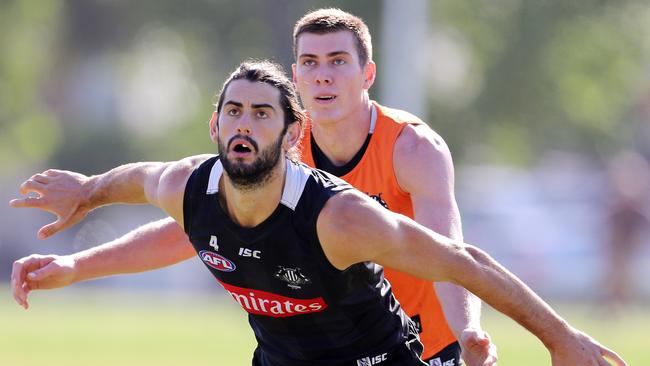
x,y
404,354
449,356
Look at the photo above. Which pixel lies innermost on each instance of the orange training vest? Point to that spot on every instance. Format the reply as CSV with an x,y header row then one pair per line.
x,y
375,176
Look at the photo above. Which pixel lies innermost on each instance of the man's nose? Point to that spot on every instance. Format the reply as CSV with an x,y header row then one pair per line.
x,y
243,125
323,77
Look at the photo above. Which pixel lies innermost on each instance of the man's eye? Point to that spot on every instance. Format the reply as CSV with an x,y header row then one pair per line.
x,y
262,114
339,61
309,63
233,112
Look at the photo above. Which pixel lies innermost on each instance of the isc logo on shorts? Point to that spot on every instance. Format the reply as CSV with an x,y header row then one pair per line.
x,y
369,361
438,362
217,261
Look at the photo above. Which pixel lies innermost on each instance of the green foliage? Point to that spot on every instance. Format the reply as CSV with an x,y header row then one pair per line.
x,y
542,75
28,30
555,75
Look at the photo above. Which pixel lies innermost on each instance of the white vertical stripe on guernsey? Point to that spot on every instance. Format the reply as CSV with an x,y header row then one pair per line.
x,y
297,176
296,179
215,175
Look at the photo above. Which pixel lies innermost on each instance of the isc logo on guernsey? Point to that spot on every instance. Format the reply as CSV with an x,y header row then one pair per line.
x,y
217,261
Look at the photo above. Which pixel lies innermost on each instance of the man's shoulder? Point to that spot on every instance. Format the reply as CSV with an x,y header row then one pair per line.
x,y
419,152
397,115
323,179
197,160
180,171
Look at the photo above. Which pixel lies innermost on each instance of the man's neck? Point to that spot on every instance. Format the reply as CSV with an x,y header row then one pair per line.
x,y
250,207
340,140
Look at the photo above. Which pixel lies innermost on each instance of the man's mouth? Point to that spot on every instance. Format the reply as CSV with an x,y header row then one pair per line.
x,y
242,148
242,145
325,98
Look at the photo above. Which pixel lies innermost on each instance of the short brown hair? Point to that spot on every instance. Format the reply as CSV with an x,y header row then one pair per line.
x,y
323,21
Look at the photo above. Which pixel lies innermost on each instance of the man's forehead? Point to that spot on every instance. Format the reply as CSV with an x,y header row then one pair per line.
x,y
314,43
245,91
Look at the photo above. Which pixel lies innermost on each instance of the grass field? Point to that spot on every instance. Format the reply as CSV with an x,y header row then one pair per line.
x,y
83,326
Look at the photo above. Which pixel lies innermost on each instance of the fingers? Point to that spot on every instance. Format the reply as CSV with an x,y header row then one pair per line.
x,y
52,172
50,229
40,274
31,185
22,282
472,337
26,289
608,353
19,271
36,184
478,349
41,178
17,281
29,202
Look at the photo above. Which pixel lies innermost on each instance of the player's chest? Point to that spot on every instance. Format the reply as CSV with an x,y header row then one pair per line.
x,y
281,262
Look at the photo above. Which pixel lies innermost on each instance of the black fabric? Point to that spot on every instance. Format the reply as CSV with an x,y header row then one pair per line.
x,y
404,354
303,311
448,356
323,163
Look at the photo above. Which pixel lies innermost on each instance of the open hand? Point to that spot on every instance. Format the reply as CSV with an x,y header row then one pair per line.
x,y
580,349
59,192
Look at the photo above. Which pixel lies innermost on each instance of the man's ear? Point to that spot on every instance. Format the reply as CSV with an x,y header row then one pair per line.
x,y
293,73
214,126
292,137
370,72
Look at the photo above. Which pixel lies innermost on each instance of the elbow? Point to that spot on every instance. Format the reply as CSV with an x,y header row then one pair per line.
x,y
471,263
476,254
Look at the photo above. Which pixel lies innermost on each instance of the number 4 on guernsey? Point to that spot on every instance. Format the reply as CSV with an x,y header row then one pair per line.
x,y
213,243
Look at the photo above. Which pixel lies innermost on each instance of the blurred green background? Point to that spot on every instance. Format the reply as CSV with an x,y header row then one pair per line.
x,y
91,327
545,106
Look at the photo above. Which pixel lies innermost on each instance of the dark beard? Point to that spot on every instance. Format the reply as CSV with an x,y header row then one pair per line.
x,y
249,177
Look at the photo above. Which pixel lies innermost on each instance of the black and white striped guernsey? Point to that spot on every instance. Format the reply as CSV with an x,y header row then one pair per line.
x,y
303,310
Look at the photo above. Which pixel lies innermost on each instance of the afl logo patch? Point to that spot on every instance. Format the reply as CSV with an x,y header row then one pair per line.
x,y
217,261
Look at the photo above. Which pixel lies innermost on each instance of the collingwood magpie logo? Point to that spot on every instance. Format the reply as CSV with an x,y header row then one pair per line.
x,y
292,277
377,197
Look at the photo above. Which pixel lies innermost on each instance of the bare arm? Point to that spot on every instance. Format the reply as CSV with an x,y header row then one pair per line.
x,y
395,241
424,169
71,196
151,246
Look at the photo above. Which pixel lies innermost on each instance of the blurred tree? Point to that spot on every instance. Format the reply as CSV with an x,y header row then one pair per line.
x,y
553,75
141,78
29,132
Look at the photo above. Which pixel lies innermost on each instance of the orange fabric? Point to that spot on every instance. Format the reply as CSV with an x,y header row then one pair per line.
x,y
375,176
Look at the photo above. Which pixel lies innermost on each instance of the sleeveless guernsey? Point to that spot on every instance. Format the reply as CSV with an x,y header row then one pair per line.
x,y
303,310
374,175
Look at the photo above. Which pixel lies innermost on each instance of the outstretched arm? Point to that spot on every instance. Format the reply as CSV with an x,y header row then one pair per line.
x,y
155,245
396,241
424,169
71,196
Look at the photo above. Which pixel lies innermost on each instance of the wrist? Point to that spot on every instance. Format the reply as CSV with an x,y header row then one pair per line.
x,y
90,193
76,266
555,337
